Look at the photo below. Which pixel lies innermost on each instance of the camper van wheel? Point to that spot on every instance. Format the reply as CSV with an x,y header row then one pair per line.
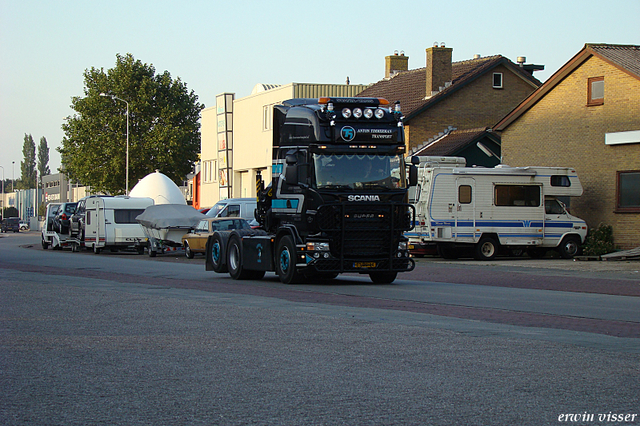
x,y
187,251
383,277
286,261
486,249
569,247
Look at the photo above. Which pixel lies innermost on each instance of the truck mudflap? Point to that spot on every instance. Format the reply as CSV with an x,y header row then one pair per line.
x,y
364,237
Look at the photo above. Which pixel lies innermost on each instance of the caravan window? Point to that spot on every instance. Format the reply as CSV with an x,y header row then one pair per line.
x,y
464,194
126,215
560,180
517,195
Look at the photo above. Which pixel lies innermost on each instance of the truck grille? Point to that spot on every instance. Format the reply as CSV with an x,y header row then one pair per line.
x,y
364,230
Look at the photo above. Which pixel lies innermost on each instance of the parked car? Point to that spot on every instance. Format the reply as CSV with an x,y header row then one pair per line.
x,y
52,209
234,207
11,224
62,217
24,225
195,241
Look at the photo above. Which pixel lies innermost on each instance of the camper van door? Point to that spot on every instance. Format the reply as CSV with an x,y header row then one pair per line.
x,y
465,208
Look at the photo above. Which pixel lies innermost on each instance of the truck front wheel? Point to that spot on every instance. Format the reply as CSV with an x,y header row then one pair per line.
x,y
286,261
383,277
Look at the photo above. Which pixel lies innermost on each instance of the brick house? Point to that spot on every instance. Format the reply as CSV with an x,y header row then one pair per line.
x,y
587,116
464,95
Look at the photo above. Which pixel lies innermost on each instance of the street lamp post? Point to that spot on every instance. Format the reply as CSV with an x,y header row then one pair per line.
x,y
2,208
13,175
126,189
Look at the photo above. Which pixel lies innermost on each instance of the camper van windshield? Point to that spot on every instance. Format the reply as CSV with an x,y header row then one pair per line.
x,y
350,171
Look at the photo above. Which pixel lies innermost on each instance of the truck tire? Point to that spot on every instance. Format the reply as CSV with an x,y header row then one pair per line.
x,y
234,259
486,249
218,254
45,244
383,277
569,247
286,261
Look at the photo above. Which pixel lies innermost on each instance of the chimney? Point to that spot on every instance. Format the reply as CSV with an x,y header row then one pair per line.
x,y
438,68
395,64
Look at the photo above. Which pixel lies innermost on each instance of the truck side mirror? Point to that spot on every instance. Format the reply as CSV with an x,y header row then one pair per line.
x,y
291,172
413,175
415,160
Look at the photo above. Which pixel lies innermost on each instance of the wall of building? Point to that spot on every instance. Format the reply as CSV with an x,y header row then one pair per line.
x,y
476,105
561,130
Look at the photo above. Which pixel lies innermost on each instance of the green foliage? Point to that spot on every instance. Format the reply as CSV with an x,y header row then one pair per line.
x,y
43,158
28,166
164,128
599,241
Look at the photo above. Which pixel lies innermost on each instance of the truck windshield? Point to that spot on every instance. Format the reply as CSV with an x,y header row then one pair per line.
x,y
351,171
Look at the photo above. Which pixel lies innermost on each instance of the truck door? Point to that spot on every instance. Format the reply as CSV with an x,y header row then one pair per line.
x,y
465,209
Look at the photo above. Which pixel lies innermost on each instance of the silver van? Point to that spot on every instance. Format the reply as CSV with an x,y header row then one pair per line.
x,y
235,207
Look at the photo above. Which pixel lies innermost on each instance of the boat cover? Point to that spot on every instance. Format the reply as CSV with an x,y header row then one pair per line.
x,y
165,216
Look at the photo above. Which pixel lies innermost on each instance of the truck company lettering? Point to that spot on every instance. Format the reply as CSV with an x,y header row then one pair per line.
x,y
364,198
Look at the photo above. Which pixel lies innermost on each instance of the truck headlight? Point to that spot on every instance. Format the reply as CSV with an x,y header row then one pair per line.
x,y
402,245
346,112
379,113
317,246
368,113
357,112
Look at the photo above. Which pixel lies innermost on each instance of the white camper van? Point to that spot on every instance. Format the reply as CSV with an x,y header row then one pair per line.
x,y
485,209
110,222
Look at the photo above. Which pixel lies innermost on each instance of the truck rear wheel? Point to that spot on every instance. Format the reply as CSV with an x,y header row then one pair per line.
x,y
234,260
218,253
286,261
486,249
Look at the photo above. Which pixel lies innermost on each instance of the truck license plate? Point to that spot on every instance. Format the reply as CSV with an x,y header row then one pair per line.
x,y
364,264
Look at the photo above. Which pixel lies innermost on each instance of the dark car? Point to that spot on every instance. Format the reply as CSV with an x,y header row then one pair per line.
x,y
11,224
195,241
62,218
76,221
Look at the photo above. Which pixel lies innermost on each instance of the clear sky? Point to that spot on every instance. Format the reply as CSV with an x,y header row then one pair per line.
x,y
230,46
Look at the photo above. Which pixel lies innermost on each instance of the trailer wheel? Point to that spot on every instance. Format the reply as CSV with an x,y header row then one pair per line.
x,y
486,249
286,261
45,244
217,257
187,251
569,247
383,277
234,259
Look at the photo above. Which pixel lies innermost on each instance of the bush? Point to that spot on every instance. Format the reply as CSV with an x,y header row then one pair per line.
x,y
599,241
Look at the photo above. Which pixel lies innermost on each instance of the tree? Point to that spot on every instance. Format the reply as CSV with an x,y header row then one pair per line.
x,y
164,131
43,159
28,166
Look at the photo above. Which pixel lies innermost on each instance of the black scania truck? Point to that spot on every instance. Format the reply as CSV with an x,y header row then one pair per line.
x,y
337,199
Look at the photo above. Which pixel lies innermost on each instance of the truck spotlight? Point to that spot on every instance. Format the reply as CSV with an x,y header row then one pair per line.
x,y
346,112
368,113
357,112
379,113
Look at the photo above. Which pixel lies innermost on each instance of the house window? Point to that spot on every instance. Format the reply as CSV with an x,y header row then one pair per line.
x,y
628,192
464,194
497,80
595,91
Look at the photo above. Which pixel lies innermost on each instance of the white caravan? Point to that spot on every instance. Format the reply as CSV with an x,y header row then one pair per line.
x,y
486,209
110,222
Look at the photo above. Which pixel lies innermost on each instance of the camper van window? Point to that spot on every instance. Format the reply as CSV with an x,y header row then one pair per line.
x,y
517,195
88,218
126,215
560,180
464,194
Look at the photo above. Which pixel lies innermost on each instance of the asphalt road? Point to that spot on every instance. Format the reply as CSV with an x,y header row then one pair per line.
x,y
125,339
